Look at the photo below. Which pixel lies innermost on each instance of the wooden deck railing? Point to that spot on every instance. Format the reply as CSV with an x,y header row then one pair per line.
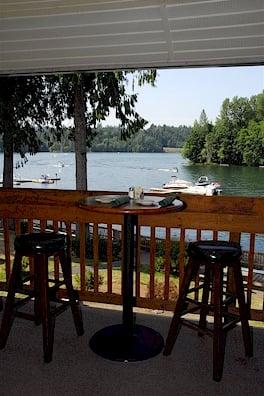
x,y
219,217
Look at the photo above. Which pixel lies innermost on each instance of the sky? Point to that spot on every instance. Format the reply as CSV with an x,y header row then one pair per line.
x,y
181,94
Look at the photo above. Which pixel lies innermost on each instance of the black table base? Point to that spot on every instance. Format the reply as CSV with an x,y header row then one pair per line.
x,y
114,343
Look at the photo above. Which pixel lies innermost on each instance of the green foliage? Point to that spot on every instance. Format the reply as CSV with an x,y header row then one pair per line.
x,y
99,93
236,138
108,139
116,248
250,142
174,254
23,110
89,280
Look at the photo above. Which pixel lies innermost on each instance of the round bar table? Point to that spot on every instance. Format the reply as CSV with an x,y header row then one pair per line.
x,y
128,341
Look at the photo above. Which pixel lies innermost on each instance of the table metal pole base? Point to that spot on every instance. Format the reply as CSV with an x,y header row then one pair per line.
x,y
114,343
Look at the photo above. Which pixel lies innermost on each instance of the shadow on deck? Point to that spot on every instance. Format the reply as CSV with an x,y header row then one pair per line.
x,y
76,370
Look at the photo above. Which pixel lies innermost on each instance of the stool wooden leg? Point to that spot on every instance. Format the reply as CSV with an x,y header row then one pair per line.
x,y
37,304
8,316
191,271
48,321
72,294
219,336
243,309
206,290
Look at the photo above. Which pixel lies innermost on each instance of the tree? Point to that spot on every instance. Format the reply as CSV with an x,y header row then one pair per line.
x,y
23,111
250,141
234,115
194,148
257,104
86,98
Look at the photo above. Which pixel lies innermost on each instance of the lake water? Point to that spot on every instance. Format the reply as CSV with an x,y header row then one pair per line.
x,y
119,171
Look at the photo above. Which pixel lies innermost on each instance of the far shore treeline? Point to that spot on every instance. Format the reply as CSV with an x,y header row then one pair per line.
x,y
236,137
107,139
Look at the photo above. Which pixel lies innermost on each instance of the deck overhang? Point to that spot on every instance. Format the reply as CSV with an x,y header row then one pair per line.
x,y
38,36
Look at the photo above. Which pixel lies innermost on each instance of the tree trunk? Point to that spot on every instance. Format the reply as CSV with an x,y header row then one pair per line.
x,y
8,160
80,137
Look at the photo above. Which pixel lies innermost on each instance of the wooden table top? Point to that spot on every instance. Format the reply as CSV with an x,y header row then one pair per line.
x,y
147,205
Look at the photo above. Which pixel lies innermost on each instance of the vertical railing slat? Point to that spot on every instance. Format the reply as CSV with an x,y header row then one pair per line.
x,y
96,257
109,258
197,278
152,254
31,261
69,243
215,235
7,248
167,263
233,237
82,256
56,258
181,257
43,225
17,226
250,267
138,263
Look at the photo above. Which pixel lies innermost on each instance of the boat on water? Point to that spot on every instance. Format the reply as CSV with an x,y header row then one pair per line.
x,y
175,183
202,187
44,179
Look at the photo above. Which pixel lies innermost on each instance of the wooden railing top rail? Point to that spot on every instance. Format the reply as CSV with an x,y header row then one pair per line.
x,y
226,213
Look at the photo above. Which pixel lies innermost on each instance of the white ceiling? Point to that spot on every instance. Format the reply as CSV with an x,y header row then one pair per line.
x,y
55,35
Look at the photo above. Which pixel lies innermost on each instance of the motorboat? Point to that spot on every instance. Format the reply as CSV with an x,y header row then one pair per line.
x,y
186,187
44,179
175,183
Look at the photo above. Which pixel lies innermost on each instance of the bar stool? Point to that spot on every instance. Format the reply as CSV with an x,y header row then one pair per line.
x,y
215,256
40,246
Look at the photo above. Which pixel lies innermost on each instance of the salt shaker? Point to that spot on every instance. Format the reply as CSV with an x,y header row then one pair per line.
x,y
131,192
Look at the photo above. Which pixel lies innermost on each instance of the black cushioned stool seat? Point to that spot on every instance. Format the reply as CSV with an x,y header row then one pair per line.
x,y
215,256
40,246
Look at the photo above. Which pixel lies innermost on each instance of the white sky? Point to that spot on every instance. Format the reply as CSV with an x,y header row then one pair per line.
x,y
181,94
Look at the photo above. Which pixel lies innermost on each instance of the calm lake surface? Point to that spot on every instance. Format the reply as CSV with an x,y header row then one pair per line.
x,y
119,171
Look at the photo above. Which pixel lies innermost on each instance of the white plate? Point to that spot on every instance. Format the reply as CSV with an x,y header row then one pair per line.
x,y
146,202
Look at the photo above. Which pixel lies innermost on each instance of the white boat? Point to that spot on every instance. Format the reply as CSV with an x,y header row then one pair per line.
x,y
43,180
186,187
175,183
209,190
